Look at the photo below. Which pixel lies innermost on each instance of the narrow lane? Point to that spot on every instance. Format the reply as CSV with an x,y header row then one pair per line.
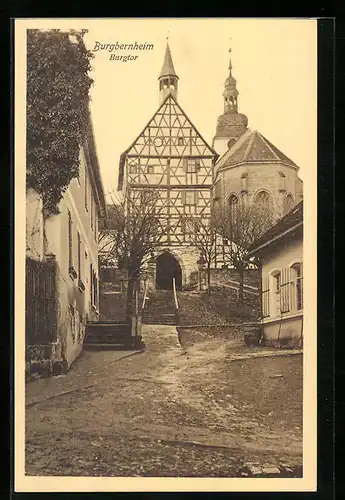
x,y
132,412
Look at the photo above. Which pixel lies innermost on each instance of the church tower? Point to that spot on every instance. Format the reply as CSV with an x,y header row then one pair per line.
x,y
167,78
231,124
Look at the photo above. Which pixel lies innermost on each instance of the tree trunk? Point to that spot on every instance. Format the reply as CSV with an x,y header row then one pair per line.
x,y
240,290
130,289
209,277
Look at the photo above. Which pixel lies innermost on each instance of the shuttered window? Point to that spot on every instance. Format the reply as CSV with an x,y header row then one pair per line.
x,y
285,291
265,297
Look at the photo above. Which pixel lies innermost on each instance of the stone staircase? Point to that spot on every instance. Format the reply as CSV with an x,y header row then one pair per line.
x,y
160,308
110,335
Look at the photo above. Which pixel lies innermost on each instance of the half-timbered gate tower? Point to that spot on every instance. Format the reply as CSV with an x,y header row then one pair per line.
x,y
171,157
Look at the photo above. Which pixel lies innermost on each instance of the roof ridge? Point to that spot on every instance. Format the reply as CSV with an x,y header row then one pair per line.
x,y
266,141
250,143
230,152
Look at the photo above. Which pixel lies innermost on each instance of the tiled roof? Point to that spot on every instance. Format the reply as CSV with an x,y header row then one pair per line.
x,y
255,148
292,219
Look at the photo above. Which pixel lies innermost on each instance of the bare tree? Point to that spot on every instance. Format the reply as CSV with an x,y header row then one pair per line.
x,y
241,225
131,234
202,234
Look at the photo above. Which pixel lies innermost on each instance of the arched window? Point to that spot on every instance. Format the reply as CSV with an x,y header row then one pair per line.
x,y
296,281
233,203
262,199
288,203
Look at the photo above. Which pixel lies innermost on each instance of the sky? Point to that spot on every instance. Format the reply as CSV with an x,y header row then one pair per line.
x,y
274,62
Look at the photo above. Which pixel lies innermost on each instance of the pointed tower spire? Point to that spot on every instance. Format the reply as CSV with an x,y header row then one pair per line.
x,y
230,64
167,77
231,124
230,93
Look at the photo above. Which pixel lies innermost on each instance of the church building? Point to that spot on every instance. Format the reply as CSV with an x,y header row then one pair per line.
x,y
250,168
190,177
172,158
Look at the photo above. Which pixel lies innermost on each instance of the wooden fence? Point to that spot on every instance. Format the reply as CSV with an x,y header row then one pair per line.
x,y
41,302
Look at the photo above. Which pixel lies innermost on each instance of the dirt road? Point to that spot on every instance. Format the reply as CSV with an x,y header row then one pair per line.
x,y
169,411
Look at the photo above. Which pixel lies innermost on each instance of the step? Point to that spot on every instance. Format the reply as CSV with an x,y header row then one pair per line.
x,y
118,347
154,321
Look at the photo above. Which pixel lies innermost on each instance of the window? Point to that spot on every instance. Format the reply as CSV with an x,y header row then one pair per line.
x,y
96,222
276,293
79,251
180,141
233,204
262,199
191,165
189,198
91,210
91,284
150,169
71,269
70,241
288,203
80,265
133,169
85,267
265,297
86,188
95,290
297,286
285,305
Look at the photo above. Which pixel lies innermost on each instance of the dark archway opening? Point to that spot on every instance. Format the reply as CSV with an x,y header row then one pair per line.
x,y
168,268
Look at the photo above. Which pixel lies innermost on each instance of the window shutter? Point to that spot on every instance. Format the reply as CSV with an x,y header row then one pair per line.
x,y
183,197
185,163
285,291
196,197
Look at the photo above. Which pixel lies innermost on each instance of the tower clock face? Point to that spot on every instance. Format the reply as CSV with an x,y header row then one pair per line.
x,y
158,141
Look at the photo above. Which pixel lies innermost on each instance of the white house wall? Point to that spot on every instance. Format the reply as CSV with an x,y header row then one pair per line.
x,y
288,325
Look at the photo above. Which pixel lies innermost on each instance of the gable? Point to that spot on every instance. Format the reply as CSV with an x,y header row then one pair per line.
x,y
170,133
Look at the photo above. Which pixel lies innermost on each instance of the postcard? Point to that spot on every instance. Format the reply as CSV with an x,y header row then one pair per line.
x,y
165,254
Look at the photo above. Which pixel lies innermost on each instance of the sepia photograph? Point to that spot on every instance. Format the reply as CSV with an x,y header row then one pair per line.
x,y
165,267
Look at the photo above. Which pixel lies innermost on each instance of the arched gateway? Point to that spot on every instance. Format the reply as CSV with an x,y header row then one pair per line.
x,y
167,268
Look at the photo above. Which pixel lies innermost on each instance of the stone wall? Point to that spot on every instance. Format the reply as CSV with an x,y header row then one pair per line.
x,y
276,179
224,276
